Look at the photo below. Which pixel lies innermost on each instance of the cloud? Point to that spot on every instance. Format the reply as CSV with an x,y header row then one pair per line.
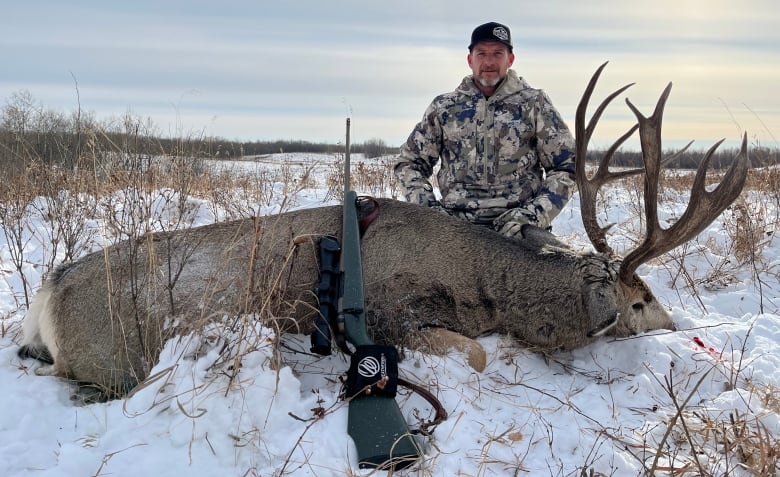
x,y
244,68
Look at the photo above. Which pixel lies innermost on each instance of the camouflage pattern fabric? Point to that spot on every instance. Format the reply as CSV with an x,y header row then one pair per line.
x,y
506,161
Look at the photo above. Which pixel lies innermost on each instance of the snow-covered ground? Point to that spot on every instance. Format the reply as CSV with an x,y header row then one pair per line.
x,y
608,407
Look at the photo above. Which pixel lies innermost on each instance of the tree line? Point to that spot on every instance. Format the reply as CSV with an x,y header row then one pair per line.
x,y
28,131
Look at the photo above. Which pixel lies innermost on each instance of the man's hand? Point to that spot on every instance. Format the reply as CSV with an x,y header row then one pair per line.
x,y
510,223
440,208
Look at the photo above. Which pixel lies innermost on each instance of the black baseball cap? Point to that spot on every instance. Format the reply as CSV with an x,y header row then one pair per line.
x,y
491,31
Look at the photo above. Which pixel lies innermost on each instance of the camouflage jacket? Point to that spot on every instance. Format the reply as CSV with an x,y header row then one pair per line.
x,y
501,157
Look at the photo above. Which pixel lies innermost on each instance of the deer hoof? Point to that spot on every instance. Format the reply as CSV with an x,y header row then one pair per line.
x,y
439,341
46,370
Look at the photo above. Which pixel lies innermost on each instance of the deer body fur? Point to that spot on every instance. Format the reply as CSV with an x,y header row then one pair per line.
x,y
104,317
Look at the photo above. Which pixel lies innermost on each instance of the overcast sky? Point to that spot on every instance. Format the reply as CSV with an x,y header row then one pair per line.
x,y
295,69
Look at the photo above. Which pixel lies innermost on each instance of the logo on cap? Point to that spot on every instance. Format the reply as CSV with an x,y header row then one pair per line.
x,y
501,33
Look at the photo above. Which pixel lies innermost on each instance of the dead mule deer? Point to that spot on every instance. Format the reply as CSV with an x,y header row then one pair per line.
x,y
103,319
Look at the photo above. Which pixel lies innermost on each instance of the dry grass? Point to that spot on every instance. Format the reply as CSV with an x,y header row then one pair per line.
x,y
374,177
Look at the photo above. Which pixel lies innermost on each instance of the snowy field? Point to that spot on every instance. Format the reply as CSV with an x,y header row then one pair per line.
x,y
703,398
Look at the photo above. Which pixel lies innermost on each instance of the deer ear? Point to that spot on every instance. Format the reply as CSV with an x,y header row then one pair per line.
x,y
602,309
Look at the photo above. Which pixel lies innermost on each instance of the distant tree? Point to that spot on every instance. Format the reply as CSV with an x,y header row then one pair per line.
x,y
374,147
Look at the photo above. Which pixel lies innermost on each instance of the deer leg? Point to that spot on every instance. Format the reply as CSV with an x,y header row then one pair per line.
x,y
441,341
36,351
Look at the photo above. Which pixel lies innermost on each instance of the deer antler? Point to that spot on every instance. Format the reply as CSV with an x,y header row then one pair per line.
x,y
589,187
703,206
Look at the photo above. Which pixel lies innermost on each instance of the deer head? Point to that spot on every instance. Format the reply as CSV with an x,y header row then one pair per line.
x,y
704,206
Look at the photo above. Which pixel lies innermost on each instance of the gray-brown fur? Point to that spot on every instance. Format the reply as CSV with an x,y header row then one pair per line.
x,y
421,268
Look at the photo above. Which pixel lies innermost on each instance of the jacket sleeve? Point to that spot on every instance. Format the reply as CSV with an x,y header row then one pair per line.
x,y
418,156
555,150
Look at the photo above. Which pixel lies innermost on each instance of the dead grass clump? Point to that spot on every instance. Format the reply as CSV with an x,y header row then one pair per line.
x,y
764,179
374,177
334,180
732,443
747,229
769,397
699,441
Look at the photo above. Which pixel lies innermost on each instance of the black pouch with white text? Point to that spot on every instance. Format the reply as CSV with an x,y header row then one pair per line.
x,y
373,371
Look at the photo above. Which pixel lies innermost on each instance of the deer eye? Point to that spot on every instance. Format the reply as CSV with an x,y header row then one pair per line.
x,y
638,306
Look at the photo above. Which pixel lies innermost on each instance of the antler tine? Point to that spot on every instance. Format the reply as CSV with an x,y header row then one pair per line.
x,y
703,207
588,188
582,106
676,155
650,142
641,170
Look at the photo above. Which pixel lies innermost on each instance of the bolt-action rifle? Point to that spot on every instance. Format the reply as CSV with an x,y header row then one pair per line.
x,y
375,422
